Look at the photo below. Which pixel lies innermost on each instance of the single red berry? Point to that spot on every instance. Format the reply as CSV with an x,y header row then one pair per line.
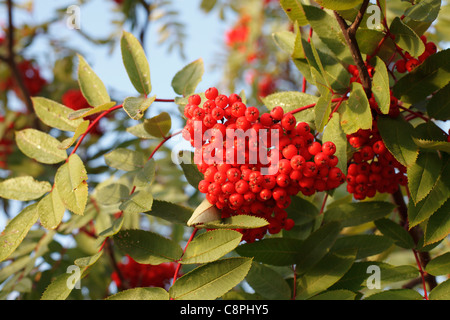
x,y
266,120
315,148
211,93
277,113
221,101
289,151
329,148
412,64
288,122
195,99
289,224
252,114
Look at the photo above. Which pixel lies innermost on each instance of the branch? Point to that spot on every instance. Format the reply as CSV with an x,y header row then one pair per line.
x,y
350,37
10,59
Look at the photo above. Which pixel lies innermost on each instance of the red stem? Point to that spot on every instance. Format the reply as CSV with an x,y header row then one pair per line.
x,y
312,105
175,276
416,114
422,275
164,100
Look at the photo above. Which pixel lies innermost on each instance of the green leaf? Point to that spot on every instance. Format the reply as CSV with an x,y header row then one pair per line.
x,y
432,145
294,11
391,274
135,63
423,174
140,201
380,86
242,221
425,10
433,74
192,174
322,110
70,180
406,38
324,274
158,126
396,294
51,210
125,159
438,106
273,251
339,4
211,280
141,294
355,112
54,114
91,85
394,231
289,100
62,286
333,132
211,246
23,188
268,283
353,214
90,111
335,295
290,43
40,146
16,230
397,136
135,106
170,211
439,266
441,292
88,261
204,213
145,176
186,80
425,208
147,247
438,226
81,129
366,244
112,193
140,132
316,246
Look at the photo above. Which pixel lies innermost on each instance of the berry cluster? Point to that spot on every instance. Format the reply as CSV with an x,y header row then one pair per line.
x,y
297,162
372,168
134,274
409,63
6,142
31,77
74,99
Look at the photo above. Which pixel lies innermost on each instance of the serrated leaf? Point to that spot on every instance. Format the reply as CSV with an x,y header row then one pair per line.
x,y
438,106
16,230
425,10
211,246
432,145
439,266
88,261
366,244
339,4
91,85
273,251
355,112
125,159
145,176
90,111
322,110
211,280
268,283
171,212
59,289
290,43
325,273
158,126
140,201
147,247
140,132
333,132
51,210
40,146
423,174
430,76
294,11
67,143
316,246
135,62
425,208
112,193
441,292
241,221
24,188
438,225
396,294
380,86
54,114
353,214
135,106
204,213
70,180
192,174
406,38
141,294
186,80
335,295
397,233
397,136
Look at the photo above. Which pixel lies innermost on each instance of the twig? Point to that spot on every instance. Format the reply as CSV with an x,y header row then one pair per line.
x,y
350,37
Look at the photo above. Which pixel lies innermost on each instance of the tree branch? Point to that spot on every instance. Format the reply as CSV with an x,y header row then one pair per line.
x,y
350,37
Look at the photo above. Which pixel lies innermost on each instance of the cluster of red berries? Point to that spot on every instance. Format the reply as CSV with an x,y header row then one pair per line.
x,y
298,162
74,99
31,77
372,168
409,63
6,142
134,274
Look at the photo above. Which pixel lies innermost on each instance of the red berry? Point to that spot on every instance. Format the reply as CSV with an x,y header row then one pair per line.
x,y
277,113
412,64
211,93
195,99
